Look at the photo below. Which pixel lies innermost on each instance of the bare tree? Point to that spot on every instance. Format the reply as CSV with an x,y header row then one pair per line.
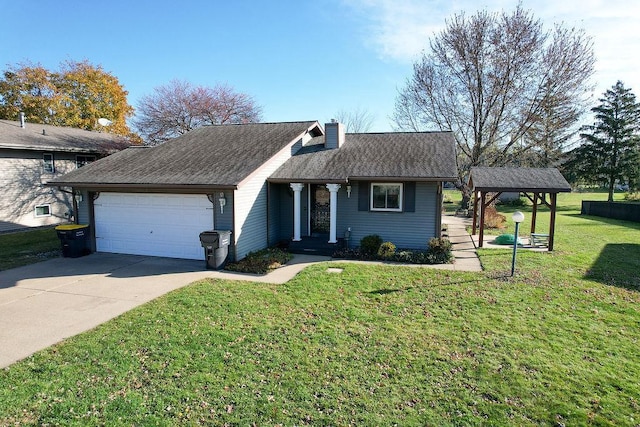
x,y
501,83
356,121
178,107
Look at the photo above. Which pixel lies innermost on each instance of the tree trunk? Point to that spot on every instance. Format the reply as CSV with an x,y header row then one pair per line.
x,y
611,183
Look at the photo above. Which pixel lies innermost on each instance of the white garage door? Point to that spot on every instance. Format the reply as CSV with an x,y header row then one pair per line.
x,y
165,225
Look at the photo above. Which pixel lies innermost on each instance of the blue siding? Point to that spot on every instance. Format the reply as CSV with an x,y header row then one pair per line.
x,y
273,215
285,213
410,230
280,213
83,209
223,220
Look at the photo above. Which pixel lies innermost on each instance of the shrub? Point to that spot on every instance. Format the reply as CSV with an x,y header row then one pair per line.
x,y
369,245
493,219
632,197
387,250
404,256
261,262
347,253
516,203
439,251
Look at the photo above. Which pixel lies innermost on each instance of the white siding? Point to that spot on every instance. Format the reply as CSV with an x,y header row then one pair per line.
x,y
251,226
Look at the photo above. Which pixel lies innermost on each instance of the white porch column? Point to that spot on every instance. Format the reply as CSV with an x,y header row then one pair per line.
x,y
297,188
333,211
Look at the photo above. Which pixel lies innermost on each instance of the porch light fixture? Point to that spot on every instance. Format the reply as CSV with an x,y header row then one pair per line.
x,y
349,190
223,201
517,217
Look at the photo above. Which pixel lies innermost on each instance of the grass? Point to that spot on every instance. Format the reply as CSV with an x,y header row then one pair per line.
x,y
26,247
558,344
452,199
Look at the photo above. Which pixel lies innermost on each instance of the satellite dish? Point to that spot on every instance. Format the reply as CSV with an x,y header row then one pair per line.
x,y
104,122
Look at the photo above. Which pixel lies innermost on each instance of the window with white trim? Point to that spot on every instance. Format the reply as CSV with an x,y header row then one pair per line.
x,y
386,197
84,160
47,163
43,210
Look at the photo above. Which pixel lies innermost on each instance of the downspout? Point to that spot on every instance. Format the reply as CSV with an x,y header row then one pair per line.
x,y
233,226
75,205
439,211
92,220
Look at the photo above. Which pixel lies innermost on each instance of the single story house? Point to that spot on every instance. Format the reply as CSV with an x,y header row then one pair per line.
x,y
32,154
267,183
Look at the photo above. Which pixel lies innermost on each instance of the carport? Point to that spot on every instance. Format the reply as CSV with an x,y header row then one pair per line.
x,y
535,183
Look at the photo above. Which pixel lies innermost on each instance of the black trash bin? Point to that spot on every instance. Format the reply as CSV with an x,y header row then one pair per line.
x,y
216,247
74,239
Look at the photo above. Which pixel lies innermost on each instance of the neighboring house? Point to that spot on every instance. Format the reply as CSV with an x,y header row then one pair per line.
x,y
268,183
32,154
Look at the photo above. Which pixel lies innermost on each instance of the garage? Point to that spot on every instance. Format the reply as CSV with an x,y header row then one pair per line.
x,y
166,225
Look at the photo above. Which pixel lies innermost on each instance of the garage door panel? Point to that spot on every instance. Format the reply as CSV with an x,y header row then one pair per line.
x,y
152,224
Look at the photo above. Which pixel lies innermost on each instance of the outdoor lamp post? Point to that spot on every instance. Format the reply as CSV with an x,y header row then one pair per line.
x,y
517,217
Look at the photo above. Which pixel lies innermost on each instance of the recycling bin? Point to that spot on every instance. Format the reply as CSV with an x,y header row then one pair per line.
x,y
74,239
216,247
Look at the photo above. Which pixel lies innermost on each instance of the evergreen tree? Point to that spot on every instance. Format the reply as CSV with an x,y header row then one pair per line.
x,y
610,151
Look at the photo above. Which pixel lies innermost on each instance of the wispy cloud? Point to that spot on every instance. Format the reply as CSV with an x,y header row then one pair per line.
x,y
399,30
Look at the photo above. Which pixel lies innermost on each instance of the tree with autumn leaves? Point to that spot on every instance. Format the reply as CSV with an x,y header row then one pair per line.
x,y
76,95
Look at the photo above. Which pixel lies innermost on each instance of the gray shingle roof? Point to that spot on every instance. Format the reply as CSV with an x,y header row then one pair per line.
x,y
219,156
394,156
57,138
548,180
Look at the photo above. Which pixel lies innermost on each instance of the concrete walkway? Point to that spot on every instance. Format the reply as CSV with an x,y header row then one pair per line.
x,y
463,247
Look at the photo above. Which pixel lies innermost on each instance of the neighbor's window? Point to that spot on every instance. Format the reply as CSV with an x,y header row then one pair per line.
x,y
386,197
84,160
43,210
47,163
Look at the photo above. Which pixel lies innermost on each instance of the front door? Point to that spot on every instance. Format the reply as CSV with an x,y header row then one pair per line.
x,y
319,210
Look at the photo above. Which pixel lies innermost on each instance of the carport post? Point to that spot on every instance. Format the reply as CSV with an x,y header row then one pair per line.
x,y
475,211
483,195
552,221
534,211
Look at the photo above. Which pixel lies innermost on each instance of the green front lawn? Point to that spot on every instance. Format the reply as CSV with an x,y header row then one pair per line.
x,y
559,344
27,247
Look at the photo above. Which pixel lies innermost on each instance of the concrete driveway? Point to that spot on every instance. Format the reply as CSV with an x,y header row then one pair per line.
x,y
44,303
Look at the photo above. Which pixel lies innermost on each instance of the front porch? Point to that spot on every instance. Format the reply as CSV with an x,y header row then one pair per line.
x,y
315,246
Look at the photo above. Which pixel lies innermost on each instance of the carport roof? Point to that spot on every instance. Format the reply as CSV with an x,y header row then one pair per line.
x,y
210,156
512,179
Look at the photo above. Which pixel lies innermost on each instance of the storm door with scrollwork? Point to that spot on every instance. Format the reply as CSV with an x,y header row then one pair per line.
x,y
320,214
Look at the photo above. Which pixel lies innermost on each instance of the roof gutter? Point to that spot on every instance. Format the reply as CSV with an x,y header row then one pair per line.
x,y
308,181
145,188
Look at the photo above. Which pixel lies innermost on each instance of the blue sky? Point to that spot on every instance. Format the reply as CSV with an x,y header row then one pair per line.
x,y
300,60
